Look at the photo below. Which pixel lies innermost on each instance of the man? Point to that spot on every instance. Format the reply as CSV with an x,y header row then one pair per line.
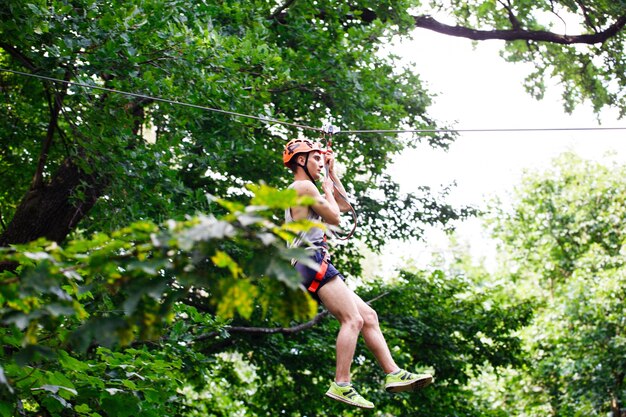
x,y
307,160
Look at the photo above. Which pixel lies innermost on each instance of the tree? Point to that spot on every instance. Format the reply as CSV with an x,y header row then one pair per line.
x,y
180,320
565,240
109,180
63,157
78,157
107,325
589,63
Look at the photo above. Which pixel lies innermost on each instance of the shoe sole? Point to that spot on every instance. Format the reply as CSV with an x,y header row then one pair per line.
x,y
347,401
411,386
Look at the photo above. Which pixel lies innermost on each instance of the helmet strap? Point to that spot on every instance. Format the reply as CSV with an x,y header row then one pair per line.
x,y
306,170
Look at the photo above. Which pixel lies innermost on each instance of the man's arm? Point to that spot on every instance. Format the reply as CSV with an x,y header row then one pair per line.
x,y
338,189
325,205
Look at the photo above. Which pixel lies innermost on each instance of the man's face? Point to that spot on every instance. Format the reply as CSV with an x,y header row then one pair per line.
x,y
315,164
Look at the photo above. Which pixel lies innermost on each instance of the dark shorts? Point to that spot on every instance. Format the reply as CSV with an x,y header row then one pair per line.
x,y
308,274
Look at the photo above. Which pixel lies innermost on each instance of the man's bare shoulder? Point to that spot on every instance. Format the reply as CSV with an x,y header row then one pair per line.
x,y
305,187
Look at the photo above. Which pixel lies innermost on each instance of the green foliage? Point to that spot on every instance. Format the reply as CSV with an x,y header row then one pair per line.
x,y
565,241
313,63
140,322
431,321
592,73
136,314
66,307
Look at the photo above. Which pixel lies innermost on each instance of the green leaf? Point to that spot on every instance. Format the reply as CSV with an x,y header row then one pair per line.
x,y
70,363
55,389
55,404
6,409
121,405
223,260
32,353
284,272
273,198
238,297
82,408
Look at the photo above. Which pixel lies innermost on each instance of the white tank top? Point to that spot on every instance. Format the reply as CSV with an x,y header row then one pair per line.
x,y
315,235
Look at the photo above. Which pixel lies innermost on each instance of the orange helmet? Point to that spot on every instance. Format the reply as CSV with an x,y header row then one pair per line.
x,y
296,146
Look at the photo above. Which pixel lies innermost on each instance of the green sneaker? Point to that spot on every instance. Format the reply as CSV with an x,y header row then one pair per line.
x,y
406,381
348,395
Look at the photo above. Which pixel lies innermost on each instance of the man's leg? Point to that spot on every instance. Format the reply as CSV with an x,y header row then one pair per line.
x,y
356,316
397,380
373,336
339,300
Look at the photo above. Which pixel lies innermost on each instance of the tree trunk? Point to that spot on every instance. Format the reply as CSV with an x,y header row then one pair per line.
x,y
616,406
52,210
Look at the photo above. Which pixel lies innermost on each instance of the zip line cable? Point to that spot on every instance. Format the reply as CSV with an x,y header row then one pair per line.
x,y
271,120
163,100
510,129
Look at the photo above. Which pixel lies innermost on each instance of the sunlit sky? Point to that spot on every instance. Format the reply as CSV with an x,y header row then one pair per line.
x,y
476,89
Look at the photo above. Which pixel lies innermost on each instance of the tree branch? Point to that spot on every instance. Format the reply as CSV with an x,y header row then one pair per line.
x,y
512,18
55,108
367,16
18,56
427,22
585,11
55,104
554,12
283,330
281,9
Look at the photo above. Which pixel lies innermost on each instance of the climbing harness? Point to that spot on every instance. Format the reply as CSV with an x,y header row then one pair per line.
x,y
319,276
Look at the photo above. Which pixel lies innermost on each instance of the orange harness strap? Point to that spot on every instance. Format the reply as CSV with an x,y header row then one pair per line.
x,y
320,274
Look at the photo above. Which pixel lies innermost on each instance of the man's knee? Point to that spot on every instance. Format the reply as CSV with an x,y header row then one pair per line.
x,y
370,317
355,321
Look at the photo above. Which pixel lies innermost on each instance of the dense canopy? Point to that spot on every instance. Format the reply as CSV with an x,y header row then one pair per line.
x,y
142,242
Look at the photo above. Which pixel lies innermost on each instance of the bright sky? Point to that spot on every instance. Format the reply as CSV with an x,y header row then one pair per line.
x,y
478,89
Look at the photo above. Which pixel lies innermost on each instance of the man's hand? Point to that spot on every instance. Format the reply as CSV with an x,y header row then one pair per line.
x,y
336,187
328,186
329,160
